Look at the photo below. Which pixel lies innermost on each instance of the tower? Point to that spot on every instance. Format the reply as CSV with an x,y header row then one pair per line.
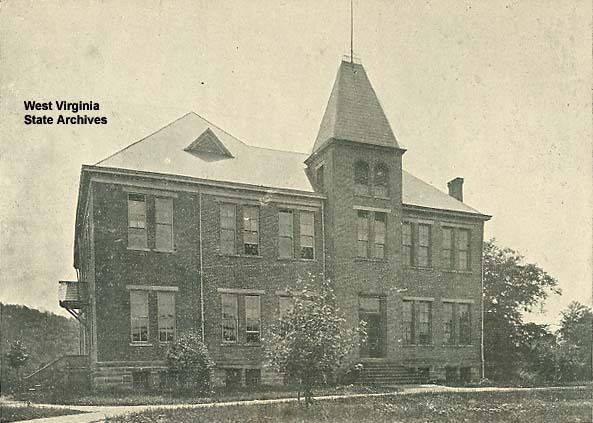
x,y
356,162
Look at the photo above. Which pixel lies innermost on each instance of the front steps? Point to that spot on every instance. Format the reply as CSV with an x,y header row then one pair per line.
x,y
382,373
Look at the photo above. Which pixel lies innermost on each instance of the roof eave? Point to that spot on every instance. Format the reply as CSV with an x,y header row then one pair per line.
x,y
333,140
203,181
458,213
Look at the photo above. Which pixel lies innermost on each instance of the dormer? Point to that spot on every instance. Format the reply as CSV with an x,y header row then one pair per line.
x,y
208,146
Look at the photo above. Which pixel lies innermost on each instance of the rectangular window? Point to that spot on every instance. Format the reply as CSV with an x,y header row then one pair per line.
x,y
320,179
463,249
448,324
380,230
307,235
230,318
408,322
407,246
447,248
252,318
137,221
424,322
139,316
464,319
164,223
285,232
251,230
166,310
228,227
423,245
285,305
363,234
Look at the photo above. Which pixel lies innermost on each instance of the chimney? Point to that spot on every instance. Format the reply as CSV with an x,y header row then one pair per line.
x,y
456,188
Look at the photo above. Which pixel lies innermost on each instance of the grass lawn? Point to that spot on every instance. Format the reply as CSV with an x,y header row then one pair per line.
x,y
557,405
13,413
147,398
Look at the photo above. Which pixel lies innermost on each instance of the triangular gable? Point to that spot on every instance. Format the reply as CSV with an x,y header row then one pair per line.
x,y
208,143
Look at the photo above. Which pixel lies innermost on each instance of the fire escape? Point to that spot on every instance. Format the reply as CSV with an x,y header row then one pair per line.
x,y
74,297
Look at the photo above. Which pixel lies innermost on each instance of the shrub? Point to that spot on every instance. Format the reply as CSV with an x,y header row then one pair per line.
x,y
190,364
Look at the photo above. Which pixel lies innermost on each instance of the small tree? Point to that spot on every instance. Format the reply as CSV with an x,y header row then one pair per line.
x,y
17,356
311,340
575,342
190,363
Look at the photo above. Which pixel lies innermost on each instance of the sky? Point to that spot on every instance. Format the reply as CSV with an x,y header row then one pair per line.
x,y
497,92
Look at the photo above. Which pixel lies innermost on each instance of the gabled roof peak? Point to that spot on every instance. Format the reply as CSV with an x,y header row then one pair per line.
x,y
353,112
208,144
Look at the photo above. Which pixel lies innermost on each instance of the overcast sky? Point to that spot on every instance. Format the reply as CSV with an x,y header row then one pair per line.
x,y
498,92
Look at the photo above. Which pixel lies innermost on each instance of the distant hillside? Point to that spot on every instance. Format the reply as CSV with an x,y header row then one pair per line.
x,y
46,335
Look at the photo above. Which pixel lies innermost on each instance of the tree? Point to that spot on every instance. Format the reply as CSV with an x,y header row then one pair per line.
x,y
189,361
17,356
575,342
511,288
311,341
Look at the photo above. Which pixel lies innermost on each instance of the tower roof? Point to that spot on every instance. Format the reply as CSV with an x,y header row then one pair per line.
x,y
353,112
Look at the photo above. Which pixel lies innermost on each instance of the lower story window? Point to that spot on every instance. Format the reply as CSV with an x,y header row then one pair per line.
x,y
139,316
252,318
417,321
244,327
252,377
166,309
230,315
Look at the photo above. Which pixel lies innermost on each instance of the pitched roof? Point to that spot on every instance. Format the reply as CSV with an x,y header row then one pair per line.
x,y
353,111
165,152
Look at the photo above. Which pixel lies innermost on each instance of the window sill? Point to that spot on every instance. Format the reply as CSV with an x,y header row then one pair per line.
x,y
296,259
164,251
138,249
419,268
419,345
236,344
380,197
456,346
240,256
140,344
462,272
148,250
377,260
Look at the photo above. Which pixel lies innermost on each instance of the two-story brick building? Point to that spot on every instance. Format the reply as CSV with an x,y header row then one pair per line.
x,y
192,229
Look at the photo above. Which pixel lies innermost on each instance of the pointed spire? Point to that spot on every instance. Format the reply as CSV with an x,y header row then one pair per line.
x,y
353,112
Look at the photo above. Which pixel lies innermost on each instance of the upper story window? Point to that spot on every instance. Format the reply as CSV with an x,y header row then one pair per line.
x,y
463,249
164,224
139,322
363,234
228,228
307,228
380,232
417,244
251,230
320,178
137,236
455,250
380,182
285,234
361,178
407,245
423,245
447,248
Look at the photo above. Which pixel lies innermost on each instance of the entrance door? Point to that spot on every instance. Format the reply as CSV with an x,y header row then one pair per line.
x,y
370,312
374,335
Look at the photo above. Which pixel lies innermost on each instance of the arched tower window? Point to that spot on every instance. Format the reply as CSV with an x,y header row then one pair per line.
x,y
361,178
381,180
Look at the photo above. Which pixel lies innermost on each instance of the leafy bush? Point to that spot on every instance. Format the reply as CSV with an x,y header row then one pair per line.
x,y
190,364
